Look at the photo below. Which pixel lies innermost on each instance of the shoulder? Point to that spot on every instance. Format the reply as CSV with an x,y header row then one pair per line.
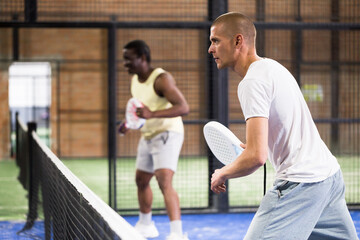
x,y
263,70
271,65
164,76
164,82
259,78
264,65
158,72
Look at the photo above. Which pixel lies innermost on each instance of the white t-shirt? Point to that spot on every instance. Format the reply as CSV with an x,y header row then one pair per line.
x,y
296,149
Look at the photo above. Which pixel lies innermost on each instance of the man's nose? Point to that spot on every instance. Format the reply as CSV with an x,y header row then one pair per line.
x,y
210,49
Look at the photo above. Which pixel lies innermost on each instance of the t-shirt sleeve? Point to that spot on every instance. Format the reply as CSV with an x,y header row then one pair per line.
x,y
255,98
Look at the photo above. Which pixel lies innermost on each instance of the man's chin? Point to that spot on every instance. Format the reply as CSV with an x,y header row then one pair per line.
x,y
219,66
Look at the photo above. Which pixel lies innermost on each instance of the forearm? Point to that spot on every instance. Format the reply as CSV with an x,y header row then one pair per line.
x,y
253,157
255,154
244,165
174,111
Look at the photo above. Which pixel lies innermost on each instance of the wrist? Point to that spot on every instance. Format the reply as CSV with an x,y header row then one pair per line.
x,y
152,114
224,174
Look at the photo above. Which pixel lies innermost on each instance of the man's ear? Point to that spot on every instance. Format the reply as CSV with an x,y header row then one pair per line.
x,y
238,39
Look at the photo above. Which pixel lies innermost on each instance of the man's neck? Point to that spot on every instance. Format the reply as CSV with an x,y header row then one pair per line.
x,y
144,75
245,62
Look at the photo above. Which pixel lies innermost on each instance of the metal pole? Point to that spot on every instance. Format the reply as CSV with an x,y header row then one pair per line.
x,y
30,10
112,114
218,102
260,49
58,112
335,77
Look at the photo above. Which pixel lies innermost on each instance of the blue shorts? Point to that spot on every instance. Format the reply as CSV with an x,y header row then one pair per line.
x,y
304,211
161,151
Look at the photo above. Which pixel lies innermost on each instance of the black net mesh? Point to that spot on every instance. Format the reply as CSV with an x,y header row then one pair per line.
x,y
70,209
68,215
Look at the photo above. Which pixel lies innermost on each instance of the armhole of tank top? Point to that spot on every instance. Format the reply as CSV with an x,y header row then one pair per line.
x,y
159,72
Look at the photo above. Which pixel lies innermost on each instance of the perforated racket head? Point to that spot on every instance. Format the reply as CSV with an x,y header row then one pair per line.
x,y
132,120
222,142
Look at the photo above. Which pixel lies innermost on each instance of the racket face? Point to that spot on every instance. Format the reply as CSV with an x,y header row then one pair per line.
x,y
222,142
132,120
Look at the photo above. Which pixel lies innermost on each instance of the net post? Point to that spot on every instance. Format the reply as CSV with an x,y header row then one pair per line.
x,y
21,152
32,182
17,137
11,131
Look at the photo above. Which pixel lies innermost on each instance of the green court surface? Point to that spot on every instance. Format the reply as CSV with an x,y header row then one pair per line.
x,y
190,182
13,201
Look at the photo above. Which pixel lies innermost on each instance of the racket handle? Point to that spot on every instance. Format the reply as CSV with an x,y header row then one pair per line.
x,y
238,150
123,127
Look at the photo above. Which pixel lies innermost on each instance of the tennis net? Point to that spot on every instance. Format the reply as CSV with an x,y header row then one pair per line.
x,y
71,210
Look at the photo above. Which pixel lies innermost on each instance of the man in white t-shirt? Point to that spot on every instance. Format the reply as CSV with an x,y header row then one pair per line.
x,y
308,197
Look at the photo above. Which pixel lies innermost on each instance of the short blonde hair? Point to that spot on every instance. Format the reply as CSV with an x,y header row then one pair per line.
x,y
235,23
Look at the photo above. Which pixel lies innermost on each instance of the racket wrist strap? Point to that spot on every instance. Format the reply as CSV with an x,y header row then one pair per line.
x,y
121,129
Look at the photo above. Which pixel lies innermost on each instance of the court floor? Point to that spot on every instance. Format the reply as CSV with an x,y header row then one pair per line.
x,y
230,226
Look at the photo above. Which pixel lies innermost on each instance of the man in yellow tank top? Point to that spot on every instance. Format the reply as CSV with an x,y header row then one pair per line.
x,y
161,136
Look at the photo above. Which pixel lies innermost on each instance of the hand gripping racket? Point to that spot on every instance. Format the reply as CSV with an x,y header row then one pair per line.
x,y
132,121
222,142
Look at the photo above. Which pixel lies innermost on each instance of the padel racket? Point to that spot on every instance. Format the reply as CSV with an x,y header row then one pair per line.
x,y
132,121
222,142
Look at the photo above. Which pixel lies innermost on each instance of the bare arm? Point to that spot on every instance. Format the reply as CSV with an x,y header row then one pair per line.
x,y
165,86
253,157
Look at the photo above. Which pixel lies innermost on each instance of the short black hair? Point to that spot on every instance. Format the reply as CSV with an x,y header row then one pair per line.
x,y
140,47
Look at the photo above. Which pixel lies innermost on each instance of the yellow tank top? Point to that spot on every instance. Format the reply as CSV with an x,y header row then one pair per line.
x,y
145,92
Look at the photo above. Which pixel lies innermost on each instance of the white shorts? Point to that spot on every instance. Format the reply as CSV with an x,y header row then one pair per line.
x,y
162,151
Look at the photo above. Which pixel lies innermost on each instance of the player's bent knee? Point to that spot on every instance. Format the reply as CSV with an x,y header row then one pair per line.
x,y
142,182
